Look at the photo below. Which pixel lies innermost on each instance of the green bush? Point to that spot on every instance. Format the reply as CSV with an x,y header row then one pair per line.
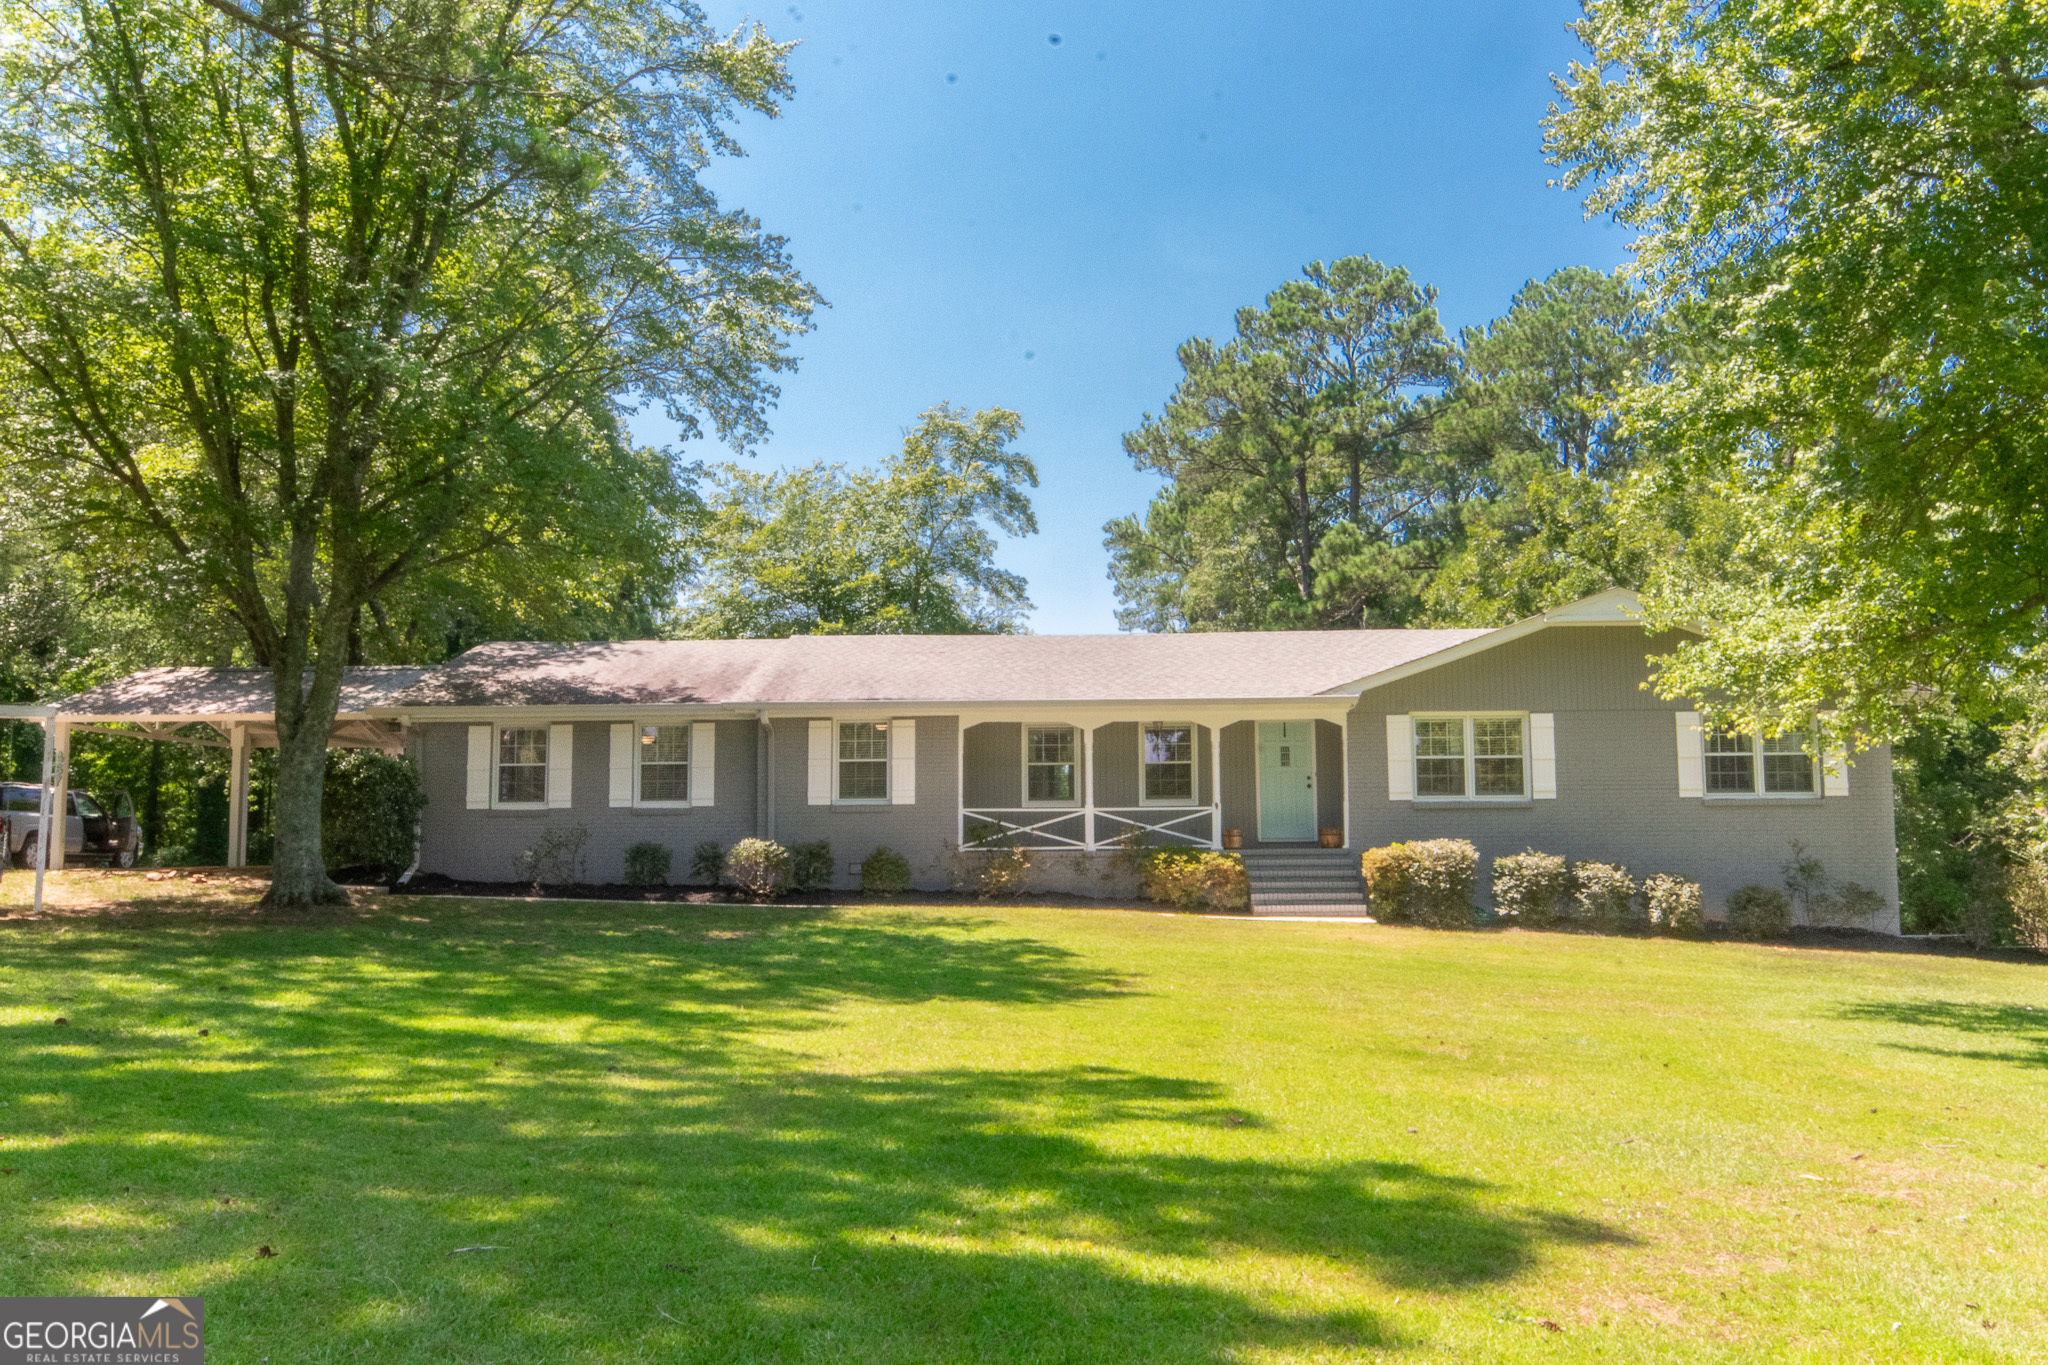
x,y
647,864
885,872
1759,912
759,867
1858,907
1425,881
810,865
1675,905
1604,896
1194,878
554,859
707,863
370,806
1388,874
1534,888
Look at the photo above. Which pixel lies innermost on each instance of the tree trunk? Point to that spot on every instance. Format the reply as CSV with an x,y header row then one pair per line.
x,y
305,719
298,873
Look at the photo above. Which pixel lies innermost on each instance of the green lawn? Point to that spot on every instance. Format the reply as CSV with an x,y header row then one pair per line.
x,y
729,1134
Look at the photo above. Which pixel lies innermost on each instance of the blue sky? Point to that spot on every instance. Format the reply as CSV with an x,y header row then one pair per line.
x,y
998,218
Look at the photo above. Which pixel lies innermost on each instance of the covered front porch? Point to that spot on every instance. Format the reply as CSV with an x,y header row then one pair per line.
x,y
1253,776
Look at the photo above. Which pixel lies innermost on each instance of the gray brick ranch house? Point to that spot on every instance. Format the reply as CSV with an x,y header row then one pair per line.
x,y
1540,734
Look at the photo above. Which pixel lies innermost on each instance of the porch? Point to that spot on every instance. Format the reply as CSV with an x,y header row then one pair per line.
x,y
1093,782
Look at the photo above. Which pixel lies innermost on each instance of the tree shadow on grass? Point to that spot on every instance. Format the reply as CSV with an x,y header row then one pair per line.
x,y
604,1101
2021,1031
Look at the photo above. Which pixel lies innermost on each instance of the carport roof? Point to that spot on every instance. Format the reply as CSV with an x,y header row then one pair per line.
x,y
204,694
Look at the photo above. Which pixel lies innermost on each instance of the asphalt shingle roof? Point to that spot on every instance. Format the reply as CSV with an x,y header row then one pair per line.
x,y
224,692
922,668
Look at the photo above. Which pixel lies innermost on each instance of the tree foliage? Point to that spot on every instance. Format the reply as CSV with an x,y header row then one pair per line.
x,y
908,549
1848,201
298,307
1299,486
1342,462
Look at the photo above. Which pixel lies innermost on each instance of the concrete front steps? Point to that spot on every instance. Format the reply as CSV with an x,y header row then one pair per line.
x,y
1304,881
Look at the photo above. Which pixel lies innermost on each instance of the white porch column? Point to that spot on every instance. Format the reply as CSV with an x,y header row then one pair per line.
x,y
57,751
1344,769
238,795
1088,786
1216,787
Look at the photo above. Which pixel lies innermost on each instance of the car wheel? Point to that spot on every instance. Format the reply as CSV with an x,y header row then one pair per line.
x,y
124,858
27,856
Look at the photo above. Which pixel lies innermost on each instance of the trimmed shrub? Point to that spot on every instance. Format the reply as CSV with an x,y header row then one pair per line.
x,y
810,865
1425,881
707,863
759,867
1759,912
1389,872
554,859
647,864
885,872
370,806
1194,879
1535,888
1604,896
1675,905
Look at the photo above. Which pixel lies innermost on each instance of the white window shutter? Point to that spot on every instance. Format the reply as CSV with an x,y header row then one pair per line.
x,y
622,764
561,764
1543,756
821,763
1834,773
703,762
1400,758
479,792
902,762
1691,765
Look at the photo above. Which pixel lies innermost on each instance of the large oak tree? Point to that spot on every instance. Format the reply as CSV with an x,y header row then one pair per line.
x,y
298,305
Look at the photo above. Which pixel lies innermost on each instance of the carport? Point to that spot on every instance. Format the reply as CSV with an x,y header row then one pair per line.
x,y
226,708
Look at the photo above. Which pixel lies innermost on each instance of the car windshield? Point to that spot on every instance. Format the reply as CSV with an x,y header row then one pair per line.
x,y
85,805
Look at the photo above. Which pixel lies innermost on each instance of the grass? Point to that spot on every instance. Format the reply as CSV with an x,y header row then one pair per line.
x,y
694,1133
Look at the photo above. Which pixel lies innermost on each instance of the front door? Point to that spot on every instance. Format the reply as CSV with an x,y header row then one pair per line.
x,y
1287,780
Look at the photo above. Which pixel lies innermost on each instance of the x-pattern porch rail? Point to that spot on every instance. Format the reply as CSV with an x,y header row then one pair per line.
x,y
1013,824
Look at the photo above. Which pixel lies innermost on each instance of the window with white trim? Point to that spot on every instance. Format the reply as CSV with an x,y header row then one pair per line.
x,y
1049,764
863,760
1745,765
664,758
1168,755
522,765
1471,757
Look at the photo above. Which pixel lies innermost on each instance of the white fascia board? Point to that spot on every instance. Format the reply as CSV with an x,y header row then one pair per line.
x,y
1614,607
559,715
215,718
28,713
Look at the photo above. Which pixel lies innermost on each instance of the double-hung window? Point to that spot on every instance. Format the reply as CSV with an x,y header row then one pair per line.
x,y
522,765
1744,765
1049,764
1473,757
664,764
863,760
1168,754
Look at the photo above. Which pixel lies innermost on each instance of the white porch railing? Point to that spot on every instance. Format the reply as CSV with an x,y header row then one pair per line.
x,y
1098,827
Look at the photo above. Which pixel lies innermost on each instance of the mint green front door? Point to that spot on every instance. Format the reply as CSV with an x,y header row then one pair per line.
x,y
1287,780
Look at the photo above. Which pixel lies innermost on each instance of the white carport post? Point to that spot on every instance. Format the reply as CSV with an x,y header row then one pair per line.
x,y
48,716
57,784
238,795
